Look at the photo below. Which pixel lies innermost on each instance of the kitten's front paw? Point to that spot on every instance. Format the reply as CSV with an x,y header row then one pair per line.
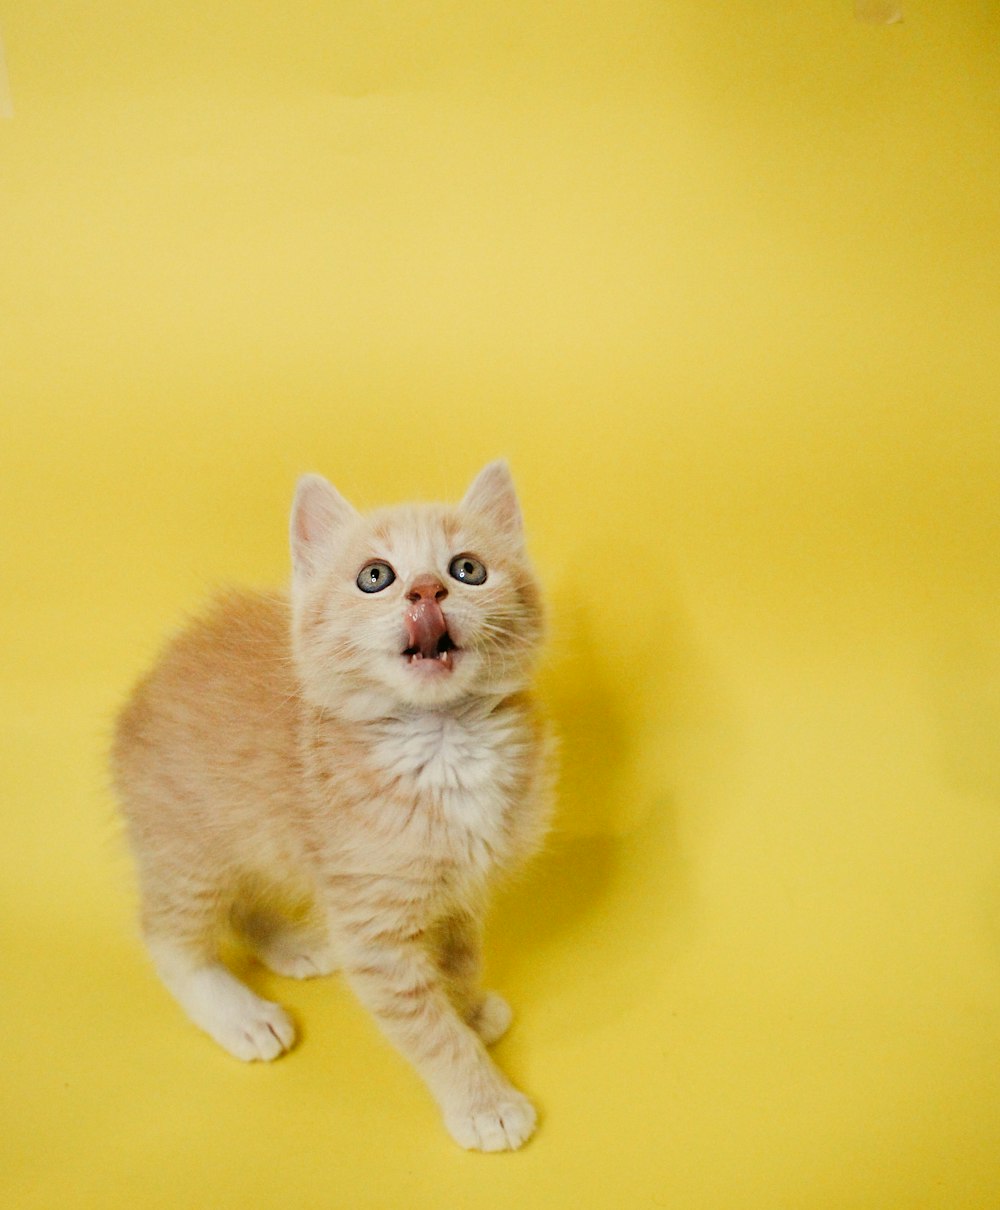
x,y
492,1018
260,1030
503,1126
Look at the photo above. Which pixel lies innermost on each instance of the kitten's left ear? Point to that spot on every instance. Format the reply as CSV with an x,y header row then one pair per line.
x,y
492,495
318,511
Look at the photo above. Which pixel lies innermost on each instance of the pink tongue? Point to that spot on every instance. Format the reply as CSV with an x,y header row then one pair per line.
x,y
425,625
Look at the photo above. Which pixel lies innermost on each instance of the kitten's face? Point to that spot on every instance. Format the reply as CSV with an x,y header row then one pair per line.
x,y
420,606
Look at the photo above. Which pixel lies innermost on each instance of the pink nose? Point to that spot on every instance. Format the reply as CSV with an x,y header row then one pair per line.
x,y
427,588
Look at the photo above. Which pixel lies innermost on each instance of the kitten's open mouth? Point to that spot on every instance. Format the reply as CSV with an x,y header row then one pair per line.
x,y
440,652
430,645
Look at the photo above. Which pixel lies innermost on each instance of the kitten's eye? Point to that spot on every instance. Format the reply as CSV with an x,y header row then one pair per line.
x,y
375,576
468,569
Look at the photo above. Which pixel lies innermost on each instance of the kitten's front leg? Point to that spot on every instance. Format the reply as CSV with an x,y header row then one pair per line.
x,y
457,945
400,984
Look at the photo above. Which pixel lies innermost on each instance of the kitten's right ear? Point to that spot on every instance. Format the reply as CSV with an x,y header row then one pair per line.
x,y
318,512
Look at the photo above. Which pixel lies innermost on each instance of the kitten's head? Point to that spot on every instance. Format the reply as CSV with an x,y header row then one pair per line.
x,y
416,606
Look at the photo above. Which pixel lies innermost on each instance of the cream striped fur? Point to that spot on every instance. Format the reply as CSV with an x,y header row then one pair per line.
x,y
288,771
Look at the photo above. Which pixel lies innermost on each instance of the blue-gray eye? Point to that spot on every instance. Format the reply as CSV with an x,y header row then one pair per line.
x,y
467,569
375,576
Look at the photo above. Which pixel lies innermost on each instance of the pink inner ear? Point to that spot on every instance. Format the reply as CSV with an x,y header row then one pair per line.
x,y
317,512
492,494
310,517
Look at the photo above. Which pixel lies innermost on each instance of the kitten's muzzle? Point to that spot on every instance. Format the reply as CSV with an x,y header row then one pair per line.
x,y
426,588
427,632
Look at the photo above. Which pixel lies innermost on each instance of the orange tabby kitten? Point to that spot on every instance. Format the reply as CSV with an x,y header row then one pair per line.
x,y
340,774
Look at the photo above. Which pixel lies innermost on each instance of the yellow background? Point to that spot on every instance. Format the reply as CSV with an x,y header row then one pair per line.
x,y
722,281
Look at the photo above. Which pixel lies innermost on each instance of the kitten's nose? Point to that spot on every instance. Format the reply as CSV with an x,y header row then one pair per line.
x,y
427,588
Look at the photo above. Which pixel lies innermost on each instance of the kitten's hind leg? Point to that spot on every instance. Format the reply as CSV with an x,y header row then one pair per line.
x,y
297,950
491,1017
218,1003
457,947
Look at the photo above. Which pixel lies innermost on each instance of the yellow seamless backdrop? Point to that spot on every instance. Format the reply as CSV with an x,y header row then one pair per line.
x,y
722,281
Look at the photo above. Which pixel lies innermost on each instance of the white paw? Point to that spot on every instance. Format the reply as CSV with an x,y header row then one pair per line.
x,y
256,1030
502,1126
300,950
492,1018
298,963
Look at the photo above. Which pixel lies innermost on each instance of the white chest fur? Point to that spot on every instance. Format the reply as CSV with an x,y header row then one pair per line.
x,y
444,752
460,770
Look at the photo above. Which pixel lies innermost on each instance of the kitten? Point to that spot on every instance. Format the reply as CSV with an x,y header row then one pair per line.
x,y
340,774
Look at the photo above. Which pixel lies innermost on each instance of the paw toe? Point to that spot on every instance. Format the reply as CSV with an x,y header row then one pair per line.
x,y
263,1033
503,1126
